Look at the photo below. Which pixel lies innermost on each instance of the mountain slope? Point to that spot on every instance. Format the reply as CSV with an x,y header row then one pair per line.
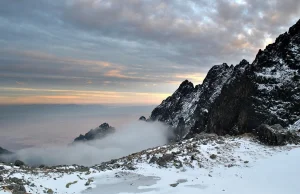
x,y
236,100
207,163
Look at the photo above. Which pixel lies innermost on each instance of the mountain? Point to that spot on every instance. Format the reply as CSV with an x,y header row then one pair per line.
x,y
97,133
238,99
4,151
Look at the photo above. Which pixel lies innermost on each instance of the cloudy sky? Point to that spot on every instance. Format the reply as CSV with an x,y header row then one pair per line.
x,y
126,51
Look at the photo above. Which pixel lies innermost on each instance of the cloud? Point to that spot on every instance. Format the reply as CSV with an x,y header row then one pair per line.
x,y
132,43
57,96
130,138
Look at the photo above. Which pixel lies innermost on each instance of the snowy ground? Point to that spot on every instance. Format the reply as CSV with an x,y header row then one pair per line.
x,y
213,165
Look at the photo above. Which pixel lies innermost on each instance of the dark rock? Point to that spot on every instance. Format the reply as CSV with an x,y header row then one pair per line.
x,y
142,118
162,161
16,189
19,163
174,184
2,168
16,180
213,156
275,135
1,179
235,100
4,151
129,167
100,132
153,160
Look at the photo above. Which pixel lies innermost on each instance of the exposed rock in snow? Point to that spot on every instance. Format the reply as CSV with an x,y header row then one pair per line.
x,y
295,126
276,135
188,164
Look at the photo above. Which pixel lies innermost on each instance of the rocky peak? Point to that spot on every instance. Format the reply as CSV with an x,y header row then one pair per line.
x,y
97,133
142,118
185,87
190,104
295,29
104,126
4,151
235,100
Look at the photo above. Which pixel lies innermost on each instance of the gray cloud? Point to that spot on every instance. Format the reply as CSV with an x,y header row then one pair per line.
x,y
130,138
149,42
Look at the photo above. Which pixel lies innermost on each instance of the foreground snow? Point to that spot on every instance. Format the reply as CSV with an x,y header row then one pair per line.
x,y
226,165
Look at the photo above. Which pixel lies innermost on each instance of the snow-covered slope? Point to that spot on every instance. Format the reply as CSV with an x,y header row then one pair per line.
x,y
207,163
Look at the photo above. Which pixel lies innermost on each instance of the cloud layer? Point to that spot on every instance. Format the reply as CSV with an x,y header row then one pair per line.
x,y
135,45
128,139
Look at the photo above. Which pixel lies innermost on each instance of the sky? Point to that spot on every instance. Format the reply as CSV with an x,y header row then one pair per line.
x,y
126,52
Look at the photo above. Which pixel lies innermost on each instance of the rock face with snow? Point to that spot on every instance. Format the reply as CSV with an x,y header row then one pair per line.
x,y
236,100
189,105
97,133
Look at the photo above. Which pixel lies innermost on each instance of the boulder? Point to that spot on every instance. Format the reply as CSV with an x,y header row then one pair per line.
x,y
16,189
275,135
153,160
19,163
162,161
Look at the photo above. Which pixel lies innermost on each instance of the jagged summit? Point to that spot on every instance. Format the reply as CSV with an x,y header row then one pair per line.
x,y
238,99
97,133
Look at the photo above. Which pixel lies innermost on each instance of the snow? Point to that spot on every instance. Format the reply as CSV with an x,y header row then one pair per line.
x,y
277,174
295,126
241,163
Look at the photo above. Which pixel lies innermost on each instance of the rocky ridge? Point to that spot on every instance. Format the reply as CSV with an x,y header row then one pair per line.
x,y
238,99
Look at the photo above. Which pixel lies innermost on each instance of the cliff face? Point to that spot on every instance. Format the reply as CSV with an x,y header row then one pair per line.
x,y
235,100
189,105
267,92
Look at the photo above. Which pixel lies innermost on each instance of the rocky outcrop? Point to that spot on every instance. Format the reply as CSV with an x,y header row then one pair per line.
x,y
189,105
97,133
268,92
4,151
236,100
142,118
276,135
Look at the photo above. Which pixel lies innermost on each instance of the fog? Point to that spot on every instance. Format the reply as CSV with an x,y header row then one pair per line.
x,y
26,126
128,139
42,134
